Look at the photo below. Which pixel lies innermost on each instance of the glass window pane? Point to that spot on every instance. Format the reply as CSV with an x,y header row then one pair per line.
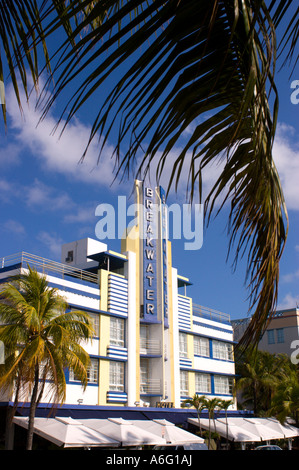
x,y
223,385
184,382
202,383
183,345
271,339
280,335
117,333
116,376
201,346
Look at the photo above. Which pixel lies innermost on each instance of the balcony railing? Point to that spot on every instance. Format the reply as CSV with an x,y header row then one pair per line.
x,y
46,266
151,387
150,347
209,313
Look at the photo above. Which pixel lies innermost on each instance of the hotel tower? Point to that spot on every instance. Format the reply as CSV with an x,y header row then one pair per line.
x,y
153,346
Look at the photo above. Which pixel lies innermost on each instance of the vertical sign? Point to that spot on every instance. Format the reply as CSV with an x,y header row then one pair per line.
x,y
149,255
164,239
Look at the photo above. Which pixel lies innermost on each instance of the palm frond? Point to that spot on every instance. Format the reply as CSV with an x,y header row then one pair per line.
x,y
20,34
207,64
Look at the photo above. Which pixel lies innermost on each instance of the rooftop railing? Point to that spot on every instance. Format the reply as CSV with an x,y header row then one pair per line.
x,y
46,266
209,313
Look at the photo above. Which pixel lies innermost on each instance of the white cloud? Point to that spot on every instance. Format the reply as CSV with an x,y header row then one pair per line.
x,y
60,154
13,226
40,195
289,301
52,241
63,154
81,214
291,277
286,157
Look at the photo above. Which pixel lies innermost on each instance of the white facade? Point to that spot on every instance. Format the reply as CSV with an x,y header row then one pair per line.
x,y
139,355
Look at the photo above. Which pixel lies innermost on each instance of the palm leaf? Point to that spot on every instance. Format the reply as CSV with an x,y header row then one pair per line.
x,y
205,63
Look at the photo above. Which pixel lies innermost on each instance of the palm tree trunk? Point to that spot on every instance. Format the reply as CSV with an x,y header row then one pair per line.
x,y
11,411
33,405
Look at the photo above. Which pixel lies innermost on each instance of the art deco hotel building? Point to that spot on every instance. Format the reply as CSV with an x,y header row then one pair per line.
x,y
153,346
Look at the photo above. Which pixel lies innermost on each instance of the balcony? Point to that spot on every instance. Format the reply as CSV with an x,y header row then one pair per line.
x,y
150,347
151,387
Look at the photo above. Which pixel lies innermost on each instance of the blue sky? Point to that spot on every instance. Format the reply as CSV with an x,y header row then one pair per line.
x,y
47,197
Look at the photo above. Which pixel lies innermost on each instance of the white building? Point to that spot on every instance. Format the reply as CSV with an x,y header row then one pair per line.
x,y
153,346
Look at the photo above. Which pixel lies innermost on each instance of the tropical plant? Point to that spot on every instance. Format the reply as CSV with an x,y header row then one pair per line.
x,y
285,402
224,405
199,403
41,339
20,33
260,374
205,67
212,404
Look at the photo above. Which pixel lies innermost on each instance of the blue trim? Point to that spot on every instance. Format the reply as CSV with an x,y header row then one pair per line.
x,y
215,358
206,325
194,333
224,374
146,322
74,291
212,384
10,268
211,348
85,309
150,356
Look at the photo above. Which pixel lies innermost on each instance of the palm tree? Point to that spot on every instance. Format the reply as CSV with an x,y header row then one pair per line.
x,y
41,340
285,402
224,405
205,67
212,404
199,403
20,33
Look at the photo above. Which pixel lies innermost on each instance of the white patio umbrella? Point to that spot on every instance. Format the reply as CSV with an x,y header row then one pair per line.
x,y
254,425
171,433
124,431
232,431
286,430
67,432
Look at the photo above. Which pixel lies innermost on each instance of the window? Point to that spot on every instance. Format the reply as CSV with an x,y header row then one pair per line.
x,y
223,385
202,383
201,346
280,335
70,256
270,334
222,351
117,331
92,372
116,376
183,345
95,323
184,382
